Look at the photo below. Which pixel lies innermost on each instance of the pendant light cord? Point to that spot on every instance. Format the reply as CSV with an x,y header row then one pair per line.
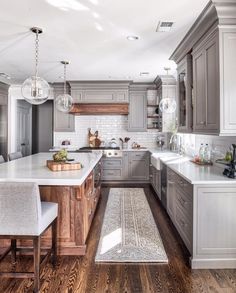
x,y
36,53
64,79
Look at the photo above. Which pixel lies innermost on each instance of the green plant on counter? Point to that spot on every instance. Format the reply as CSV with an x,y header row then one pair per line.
x,y
60,156
228,156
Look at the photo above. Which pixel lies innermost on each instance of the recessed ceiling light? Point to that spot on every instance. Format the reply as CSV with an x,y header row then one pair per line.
x,y
144,73
132,38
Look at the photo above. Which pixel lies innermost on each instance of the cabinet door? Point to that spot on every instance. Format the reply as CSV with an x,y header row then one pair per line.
x,y
63,122
139,166
184,89
137,119
206,86
212,86
100,96
199,86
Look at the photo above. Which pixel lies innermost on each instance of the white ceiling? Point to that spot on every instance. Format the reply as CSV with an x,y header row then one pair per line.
x,y
92,35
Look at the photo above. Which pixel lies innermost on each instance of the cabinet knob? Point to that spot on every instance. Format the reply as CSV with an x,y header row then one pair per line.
x,y
203,122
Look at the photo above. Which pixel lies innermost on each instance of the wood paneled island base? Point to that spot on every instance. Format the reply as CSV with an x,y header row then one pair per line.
x,y
77,205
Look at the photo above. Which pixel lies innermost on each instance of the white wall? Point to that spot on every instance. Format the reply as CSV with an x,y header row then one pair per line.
x,y
108,127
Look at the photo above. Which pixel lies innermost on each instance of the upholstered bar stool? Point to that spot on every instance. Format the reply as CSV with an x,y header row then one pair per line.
x,y
24,216
2,160
15,156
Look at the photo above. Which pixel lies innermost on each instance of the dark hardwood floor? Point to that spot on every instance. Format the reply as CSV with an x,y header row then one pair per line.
x,y
81,274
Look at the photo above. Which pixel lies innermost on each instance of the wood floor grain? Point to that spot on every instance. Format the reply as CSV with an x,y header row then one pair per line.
x,y
82,275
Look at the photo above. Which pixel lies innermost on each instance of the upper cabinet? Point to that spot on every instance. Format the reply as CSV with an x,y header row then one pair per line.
x,y
184,95
206,95
63,122
137,118
166,88
212,43
100,92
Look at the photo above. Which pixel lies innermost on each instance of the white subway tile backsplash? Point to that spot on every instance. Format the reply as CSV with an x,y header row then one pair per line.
x,y
108,127
218,145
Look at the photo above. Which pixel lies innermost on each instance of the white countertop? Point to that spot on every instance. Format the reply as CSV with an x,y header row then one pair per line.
x,y
33,169
194,173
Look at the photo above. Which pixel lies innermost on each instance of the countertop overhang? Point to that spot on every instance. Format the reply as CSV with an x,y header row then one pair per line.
x,y
33,169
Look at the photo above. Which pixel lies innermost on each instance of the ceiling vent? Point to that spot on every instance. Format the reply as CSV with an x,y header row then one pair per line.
x,y
164,26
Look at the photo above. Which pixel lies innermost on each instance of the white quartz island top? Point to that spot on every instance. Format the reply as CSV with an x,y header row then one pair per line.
x,y
33,169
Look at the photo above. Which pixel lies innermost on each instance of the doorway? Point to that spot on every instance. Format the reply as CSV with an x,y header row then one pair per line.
x,y
24,128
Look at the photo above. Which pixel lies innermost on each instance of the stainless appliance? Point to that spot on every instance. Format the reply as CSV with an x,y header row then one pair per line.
x,y
164,185
97,175
107,151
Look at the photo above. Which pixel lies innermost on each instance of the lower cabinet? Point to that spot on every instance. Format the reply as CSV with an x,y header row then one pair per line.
x,y
155,180
180,206
138,165
132,166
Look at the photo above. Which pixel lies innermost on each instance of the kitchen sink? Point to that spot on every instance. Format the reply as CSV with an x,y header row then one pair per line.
x,y
164,156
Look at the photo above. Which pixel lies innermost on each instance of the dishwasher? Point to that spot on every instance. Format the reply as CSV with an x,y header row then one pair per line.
x,y
164,185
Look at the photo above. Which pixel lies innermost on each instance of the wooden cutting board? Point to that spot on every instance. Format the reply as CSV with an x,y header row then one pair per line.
x,y
62,166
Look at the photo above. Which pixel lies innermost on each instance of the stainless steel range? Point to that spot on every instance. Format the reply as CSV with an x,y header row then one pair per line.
x,y
107,152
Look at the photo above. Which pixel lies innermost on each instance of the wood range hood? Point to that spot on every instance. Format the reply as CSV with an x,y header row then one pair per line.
x,y
100,109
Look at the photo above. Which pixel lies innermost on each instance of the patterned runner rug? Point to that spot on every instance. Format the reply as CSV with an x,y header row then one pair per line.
x,y
129,232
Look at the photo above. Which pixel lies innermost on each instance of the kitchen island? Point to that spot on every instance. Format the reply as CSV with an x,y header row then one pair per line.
x,y
76,192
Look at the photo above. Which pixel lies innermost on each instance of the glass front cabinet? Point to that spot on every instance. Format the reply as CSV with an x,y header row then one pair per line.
x,y
184,93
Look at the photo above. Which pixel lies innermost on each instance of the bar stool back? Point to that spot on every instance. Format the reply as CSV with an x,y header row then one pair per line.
x,y
15,156
2,160
24,216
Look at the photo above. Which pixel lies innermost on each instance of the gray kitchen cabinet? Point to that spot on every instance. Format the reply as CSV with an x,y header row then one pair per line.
x,y
137,118
132,166
63,122
205,85
184,94
139,165
166,88
212,41
112,169
180,206
98,92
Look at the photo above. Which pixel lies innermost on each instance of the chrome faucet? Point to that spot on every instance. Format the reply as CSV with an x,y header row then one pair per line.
x,y
176,143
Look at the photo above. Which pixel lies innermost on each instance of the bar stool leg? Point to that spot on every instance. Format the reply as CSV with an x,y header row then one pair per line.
x,y
54,242
36,264
13,250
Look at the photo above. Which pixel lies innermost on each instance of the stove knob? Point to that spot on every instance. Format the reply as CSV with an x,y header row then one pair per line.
x,y
109,154
115,154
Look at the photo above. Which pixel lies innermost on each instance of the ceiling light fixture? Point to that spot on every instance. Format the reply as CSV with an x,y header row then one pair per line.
x,y
145,73
132,38
4,75
64,102
167,105
35,89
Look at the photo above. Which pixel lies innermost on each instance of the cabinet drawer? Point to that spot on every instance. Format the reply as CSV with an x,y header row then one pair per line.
x,y
185,203
184,185
184,226
171,175
111,174
112,163
138,155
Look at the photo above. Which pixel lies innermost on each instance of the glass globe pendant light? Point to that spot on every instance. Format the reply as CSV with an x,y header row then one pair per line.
x,y
167,105
64,102
35,89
